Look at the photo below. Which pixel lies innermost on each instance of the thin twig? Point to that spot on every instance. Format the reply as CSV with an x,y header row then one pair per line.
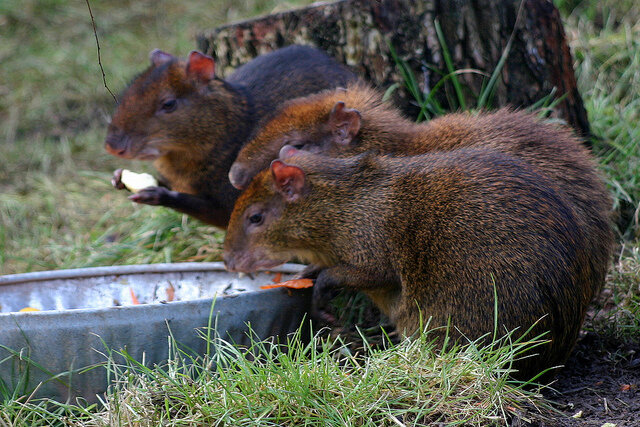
x,y
95,33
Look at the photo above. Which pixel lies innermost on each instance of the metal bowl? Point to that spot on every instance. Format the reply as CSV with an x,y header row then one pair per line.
x,y
87,311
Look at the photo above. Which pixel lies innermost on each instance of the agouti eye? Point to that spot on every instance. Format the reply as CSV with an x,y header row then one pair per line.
x,y
256,219
169,105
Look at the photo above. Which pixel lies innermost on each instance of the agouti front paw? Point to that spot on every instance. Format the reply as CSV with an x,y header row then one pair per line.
x,y
150,196
325,289
309,272
116,180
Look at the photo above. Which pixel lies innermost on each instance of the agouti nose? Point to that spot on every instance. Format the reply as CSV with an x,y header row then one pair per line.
x,y
229,263
113,150
116,142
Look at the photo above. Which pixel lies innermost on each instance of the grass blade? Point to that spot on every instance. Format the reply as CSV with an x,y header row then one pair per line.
x,y
447,59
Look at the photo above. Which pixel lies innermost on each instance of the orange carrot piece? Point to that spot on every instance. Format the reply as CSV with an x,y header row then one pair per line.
x,y
277,278
171,293
134,300
291,284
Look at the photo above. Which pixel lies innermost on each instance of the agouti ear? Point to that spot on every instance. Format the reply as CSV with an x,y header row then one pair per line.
x,y
158,57
201,67
289,180
344,123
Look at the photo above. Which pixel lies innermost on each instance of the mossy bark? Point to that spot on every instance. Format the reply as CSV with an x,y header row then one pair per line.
x,y
358,33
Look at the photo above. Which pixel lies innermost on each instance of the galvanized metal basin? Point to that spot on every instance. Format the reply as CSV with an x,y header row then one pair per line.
x,y
86,311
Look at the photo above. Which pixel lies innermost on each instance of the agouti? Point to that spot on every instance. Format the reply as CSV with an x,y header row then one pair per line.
x,y
345,122
192,123
429,236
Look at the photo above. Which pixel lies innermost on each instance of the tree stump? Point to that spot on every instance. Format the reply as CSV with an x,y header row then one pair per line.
x,y
358,33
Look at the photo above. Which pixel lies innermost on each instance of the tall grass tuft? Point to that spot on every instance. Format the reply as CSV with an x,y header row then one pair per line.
x,y
317,383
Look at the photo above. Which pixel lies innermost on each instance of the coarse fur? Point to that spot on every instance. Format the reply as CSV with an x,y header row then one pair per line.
x,y
428,235
193,123
346,122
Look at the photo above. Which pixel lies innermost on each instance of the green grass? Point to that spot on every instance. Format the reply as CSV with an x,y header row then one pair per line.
x,y
605,39
58,210
317,384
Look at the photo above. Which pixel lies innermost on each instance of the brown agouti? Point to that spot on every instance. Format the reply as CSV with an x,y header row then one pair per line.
x,y
428,235
344,122
192,123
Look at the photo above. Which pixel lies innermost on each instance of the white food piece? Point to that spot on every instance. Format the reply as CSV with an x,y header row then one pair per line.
x,y
137,181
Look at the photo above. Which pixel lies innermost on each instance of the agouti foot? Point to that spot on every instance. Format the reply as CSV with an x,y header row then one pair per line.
x,y
150,196
116,180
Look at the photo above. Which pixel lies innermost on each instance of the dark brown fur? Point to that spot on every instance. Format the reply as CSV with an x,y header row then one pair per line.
x,y
194,145
430,235
552,150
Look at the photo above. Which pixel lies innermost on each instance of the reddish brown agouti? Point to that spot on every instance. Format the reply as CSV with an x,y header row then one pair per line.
x,y
192,123
428,235
343,122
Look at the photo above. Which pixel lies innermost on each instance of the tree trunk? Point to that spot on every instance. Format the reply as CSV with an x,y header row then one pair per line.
x,y
358,33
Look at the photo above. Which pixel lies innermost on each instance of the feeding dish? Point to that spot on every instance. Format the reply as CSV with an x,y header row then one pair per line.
x,y
85,311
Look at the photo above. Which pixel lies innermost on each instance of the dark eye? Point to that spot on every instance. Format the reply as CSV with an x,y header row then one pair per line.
x,y
169,105
299,146
256,218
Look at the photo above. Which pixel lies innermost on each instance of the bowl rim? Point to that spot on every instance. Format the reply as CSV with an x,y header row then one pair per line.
x,y
116,270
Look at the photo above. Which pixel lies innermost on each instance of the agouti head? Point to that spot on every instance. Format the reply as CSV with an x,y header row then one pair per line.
x,y
170,107
277,218
328,122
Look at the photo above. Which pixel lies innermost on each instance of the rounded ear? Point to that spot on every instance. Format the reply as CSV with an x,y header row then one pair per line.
x,y
344,123
289,180
201,67
287,151
238,176
158,57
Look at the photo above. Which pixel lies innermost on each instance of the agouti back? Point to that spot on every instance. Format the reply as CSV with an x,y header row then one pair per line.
x,y
192,123
429,236
343,122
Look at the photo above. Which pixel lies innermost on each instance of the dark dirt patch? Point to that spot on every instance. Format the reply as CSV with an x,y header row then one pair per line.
x,y
601,381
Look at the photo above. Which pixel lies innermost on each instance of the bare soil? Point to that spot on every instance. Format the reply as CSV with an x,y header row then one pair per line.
x,y
599,384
